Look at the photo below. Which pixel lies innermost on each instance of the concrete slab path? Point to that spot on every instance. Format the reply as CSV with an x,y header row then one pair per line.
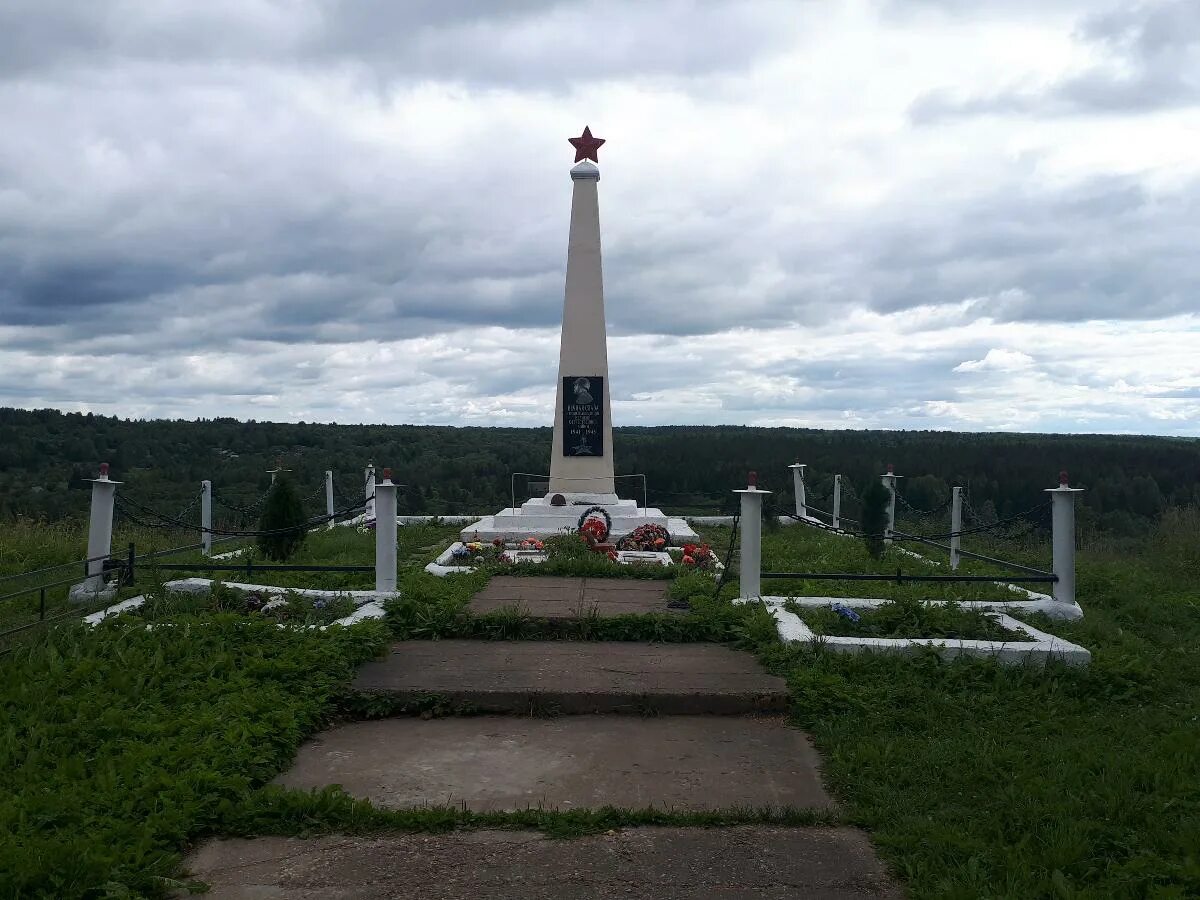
x,y
640,863
571,598
487,763
575,677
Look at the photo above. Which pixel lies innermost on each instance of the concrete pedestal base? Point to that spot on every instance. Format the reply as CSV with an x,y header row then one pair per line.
x,y
538,518
88,592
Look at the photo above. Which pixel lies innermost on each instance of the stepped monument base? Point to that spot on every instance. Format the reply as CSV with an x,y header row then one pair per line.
x,y
539,518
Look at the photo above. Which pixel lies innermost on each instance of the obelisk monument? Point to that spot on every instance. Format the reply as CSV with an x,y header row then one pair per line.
x,y
581,459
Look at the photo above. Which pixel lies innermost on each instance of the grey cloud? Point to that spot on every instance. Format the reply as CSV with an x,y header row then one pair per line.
x,y
1153,63
538,43
184,225
1104,249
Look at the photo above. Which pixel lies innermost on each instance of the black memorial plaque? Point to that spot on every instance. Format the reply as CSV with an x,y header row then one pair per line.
x,y
583,415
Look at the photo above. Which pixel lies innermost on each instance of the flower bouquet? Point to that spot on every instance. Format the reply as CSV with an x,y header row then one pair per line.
x,y
649,537
698,557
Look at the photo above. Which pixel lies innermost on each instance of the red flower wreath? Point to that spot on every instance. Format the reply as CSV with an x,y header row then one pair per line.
x,y
595,524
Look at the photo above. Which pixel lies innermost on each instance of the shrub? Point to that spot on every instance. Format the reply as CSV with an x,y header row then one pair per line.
x,y
283,517
567,546
875,501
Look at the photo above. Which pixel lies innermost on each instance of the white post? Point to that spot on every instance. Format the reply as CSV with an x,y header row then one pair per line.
x,y
384,498
837,501
100,524
206,517
955,526
798,483
750,564
329,497
369,491
889,482
1063,524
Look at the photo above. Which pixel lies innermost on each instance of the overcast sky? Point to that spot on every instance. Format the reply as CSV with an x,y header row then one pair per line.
x,y
953,214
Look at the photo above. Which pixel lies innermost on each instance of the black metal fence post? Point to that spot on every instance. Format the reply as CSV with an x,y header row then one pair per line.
x,y
130,563
42,605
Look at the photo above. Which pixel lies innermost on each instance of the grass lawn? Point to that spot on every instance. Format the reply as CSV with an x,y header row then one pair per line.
x,y
121,745
981,781
55,551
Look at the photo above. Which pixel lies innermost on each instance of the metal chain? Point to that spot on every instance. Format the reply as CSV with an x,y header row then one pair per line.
x,y
921,512
312,522
187,509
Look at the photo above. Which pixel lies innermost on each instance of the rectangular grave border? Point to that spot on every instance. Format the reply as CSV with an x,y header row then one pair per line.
x,y
441,566
1036,652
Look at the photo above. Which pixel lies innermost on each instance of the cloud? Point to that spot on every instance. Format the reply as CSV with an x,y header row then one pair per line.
x,y
1149,62
471,41
997,360
358,212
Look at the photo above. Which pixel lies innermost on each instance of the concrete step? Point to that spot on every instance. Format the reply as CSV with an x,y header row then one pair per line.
x,y
489,763
576,677
638,863
572,598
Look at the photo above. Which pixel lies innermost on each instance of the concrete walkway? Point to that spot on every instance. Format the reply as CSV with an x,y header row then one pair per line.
x,y
573,677
640,863
703,730
487,763
570,598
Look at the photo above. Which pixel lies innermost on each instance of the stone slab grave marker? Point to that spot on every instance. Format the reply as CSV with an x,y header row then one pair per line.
x,y
581,452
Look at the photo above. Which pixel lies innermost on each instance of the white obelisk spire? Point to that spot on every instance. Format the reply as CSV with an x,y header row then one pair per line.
x,y
581,460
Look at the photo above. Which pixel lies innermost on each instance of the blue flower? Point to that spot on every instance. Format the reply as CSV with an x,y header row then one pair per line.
x,y
846,612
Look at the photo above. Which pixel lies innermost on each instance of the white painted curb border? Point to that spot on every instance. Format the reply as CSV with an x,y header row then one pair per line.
x,y
441,567
369,603
1035,652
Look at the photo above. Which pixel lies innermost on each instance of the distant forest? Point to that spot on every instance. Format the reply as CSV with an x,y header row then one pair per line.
x,y
46,455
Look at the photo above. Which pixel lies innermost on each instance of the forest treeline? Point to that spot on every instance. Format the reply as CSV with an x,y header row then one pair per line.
x,y
46,457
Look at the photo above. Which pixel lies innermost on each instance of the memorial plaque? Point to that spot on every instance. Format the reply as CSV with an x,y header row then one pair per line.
x,y
583,415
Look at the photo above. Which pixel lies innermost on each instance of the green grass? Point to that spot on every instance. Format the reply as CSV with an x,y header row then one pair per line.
x,y
28,545
432,608
981,781
291,812
161,606
120,744
799,548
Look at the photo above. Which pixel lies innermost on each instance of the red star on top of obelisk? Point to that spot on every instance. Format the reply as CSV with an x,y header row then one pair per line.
x,y
586,146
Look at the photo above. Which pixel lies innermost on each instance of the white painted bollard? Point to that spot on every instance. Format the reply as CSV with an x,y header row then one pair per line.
x,y
798,483
750,564
837,501
889,482
369,490
1063,524
329,497
955,526
206,517
385,533
100,525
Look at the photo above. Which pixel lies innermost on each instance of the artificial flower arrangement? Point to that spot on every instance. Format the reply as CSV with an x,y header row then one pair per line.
x,y
475,552
698,556
595,525
648,537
